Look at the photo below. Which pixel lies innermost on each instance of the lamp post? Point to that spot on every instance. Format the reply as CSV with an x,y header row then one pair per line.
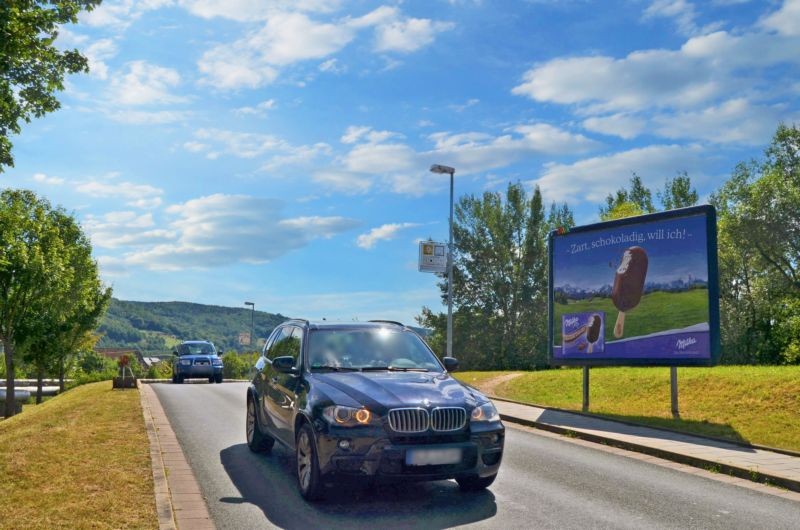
x,y
252,319
444,170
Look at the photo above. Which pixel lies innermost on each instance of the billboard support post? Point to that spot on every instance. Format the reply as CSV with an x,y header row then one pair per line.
x,y
585,407
673,387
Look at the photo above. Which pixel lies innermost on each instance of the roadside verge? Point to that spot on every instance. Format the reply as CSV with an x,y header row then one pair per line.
x,y
747,462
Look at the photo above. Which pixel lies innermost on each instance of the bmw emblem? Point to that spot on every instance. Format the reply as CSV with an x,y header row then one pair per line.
x,y
426,402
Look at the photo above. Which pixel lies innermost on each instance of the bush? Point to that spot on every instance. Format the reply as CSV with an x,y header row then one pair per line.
x,y
238,366
162,370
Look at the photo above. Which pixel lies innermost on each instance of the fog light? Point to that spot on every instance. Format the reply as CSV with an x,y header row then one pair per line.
x,y
495,438
344,444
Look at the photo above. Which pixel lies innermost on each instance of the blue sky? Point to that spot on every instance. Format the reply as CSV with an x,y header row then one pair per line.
x,y
278,151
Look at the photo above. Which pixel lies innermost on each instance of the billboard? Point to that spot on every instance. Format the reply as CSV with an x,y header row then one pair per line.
x,y
636,291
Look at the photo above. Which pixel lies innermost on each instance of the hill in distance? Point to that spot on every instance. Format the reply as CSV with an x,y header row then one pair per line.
x,y
155,327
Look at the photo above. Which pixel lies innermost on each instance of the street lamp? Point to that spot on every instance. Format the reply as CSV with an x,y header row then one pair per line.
x,y
444,170
252,319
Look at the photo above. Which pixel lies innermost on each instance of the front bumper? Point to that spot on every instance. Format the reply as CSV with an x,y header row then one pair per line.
x,y
197,370
377,456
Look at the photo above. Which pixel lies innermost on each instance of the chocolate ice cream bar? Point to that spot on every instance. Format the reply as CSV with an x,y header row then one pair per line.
x,y
628,284
593,331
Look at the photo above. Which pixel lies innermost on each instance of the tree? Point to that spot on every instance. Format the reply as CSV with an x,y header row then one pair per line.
x,y
69,314
759,253
678,193
40,249
499,281
638,198
32,69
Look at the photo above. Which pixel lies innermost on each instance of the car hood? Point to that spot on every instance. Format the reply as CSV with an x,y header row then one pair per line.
x,y
380,391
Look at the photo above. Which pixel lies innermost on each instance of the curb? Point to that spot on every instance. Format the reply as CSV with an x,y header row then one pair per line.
x,y
166,516
179,499
747,474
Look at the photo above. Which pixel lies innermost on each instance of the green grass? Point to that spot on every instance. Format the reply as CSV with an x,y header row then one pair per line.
x,y
79,460
755,404
656,312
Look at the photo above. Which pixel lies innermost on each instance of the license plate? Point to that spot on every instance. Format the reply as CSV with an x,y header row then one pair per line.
x,y
433,457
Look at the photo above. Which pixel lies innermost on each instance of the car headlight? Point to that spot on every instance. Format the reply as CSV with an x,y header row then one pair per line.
x,y
217,362
485,412
347,416
186,362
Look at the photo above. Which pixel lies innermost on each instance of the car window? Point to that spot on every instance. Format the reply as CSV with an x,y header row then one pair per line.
x,y
277,344
287,344
369,348
200,348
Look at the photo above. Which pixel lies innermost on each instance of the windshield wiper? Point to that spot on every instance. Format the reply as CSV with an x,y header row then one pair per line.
x,y
392,369
332,368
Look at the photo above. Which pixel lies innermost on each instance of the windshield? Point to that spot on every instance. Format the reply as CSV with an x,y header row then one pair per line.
x,y
369,349
200,348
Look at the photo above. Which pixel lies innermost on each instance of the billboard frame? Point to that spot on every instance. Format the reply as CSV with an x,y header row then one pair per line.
x,y
713,288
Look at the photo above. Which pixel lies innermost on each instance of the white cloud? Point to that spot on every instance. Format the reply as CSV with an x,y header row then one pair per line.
x,y
258,110
682,12
138,195
219,230
125,229
96,55
332,66
469,103
591,179
286,38
217,142
45,179
147,117
404,170
119,14
343,181
381,233
625,126
785,20
704,69
143,84
408,35
733,121
250,10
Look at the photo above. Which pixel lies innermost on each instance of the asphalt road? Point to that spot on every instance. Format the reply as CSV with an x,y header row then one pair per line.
x,y
543,483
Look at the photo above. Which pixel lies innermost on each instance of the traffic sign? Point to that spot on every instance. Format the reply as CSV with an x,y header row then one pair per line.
x,y
432,256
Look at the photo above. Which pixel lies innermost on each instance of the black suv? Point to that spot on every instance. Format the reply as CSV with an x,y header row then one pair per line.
x,y
369,400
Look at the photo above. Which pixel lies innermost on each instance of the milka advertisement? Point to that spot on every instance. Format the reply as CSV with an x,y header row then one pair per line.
x,y
634,292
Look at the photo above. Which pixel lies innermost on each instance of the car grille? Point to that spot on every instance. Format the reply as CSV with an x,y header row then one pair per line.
x,y
448,418
415,420
409,420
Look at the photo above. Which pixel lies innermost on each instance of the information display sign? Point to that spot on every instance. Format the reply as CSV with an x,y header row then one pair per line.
x,y
432,256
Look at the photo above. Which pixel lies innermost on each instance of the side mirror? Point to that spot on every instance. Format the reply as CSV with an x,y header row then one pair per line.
x,y
284,364
174,352
220,352
450,364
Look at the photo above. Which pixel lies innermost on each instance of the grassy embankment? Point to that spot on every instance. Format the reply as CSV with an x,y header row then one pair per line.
x,y
756,404
658,311
79,460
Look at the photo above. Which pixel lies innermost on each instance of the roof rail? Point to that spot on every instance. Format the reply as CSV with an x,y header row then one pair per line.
x,y
380,321
304,320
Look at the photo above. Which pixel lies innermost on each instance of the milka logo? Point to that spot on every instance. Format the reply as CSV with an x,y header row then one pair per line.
x,y
572,321
682,344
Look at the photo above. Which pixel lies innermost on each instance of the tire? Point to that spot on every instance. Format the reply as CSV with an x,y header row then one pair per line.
x,y
475,483
210,379
174,379
179,380
256,440
309,481
218,378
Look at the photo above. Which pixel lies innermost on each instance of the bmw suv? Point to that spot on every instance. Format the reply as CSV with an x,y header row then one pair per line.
x,y
195,359
369,401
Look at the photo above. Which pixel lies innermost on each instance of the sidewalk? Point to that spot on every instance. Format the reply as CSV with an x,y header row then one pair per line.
x,y
732,459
